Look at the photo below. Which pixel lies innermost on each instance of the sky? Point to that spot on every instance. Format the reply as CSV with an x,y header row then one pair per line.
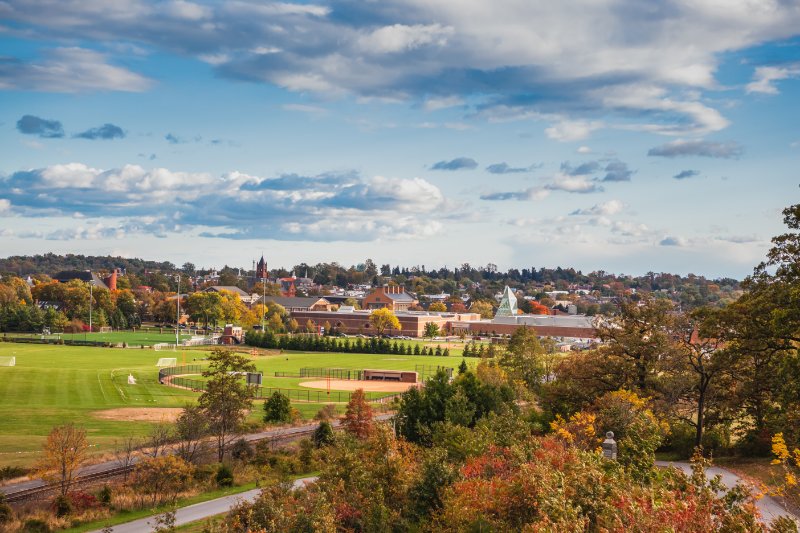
x,y
613,135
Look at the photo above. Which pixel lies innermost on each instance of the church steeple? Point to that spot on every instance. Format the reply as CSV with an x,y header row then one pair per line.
x,y
261,269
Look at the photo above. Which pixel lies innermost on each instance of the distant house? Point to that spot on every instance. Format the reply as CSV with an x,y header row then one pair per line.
x,y
392,297
291,304
231,335
86,276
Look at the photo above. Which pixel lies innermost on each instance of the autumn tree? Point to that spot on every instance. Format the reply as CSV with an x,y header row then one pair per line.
x,y
482,307
161,479
384,319
357,418
640,337
698,375
64,451
437,307
226,398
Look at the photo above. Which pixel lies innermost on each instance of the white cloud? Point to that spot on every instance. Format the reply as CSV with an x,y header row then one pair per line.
x,y
584,150
577,184
160,201
434,104
304,108
611,207
764,78
71,70
572,130
401,38
5,206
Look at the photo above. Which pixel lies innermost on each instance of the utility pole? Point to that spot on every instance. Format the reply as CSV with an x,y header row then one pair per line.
x,y
178,314
91,297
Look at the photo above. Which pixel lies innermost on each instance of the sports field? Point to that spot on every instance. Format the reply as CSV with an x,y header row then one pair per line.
x,y
144,338
51,385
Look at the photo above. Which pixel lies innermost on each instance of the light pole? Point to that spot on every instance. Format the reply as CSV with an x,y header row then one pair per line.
x,y
178,313
91,297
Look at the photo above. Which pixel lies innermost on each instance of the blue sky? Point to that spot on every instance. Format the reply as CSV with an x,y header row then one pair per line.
x,y
615,135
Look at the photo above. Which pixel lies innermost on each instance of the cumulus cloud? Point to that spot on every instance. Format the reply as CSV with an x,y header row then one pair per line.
x,y
5,206
105,132
401,38
606,170
572,130
686,174
436,103
70,70
617,170
505,168
612,207
765,77
649,66
698,148
459,163
575,184
33,125
160,201
531,193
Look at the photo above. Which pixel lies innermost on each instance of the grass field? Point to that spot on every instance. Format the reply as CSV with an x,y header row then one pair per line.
x,y
51,385
144,338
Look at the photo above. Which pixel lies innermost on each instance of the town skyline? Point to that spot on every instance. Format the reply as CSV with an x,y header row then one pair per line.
x,y
612,138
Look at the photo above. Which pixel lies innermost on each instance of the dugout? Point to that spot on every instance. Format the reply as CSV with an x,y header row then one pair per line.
x,y
403,376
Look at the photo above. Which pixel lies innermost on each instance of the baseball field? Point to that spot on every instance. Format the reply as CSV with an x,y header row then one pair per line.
x,y
50,385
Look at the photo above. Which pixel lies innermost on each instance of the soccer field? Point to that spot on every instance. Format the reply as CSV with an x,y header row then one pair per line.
x,y
51,385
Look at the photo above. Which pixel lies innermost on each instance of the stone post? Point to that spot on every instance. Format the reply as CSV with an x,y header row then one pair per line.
x,y
610,446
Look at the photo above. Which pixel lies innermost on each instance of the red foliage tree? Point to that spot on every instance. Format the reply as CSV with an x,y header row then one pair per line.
x,y
358,416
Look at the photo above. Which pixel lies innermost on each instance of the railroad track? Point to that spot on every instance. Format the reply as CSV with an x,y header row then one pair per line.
x,y
34,493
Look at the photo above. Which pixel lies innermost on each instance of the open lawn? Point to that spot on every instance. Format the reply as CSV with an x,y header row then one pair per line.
x,y
53,384
133,338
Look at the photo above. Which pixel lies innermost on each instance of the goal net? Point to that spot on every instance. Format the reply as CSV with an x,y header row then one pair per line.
x,y
8,361
163,346
106,329
167,361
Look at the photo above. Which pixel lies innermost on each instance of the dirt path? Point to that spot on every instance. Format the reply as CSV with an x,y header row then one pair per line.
x,y
352,384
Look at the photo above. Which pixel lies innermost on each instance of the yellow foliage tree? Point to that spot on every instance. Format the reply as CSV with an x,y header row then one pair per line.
x,y
64,451
383,319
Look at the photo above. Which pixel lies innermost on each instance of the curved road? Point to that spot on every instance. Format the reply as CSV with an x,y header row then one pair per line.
x,y
769,507
198,511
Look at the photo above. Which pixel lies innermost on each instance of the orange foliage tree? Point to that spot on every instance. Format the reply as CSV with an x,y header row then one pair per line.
x,y
357,418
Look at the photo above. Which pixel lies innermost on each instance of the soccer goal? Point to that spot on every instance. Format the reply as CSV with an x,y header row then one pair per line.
x,y
167,361
8,361
106,329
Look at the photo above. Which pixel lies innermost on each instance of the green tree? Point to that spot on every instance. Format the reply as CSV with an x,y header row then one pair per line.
x,y
277,409
226,398
431,330
523,358
323,434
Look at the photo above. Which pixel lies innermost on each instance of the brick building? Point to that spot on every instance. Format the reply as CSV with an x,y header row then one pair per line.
x,y
391,296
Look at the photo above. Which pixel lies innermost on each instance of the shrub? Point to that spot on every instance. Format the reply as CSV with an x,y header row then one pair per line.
x,y
81,501
241,450
35,525
6,514
62,506
104,496
224,476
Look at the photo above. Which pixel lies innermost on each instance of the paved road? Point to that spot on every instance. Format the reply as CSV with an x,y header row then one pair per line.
x,y
198,511
769,507
110,465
